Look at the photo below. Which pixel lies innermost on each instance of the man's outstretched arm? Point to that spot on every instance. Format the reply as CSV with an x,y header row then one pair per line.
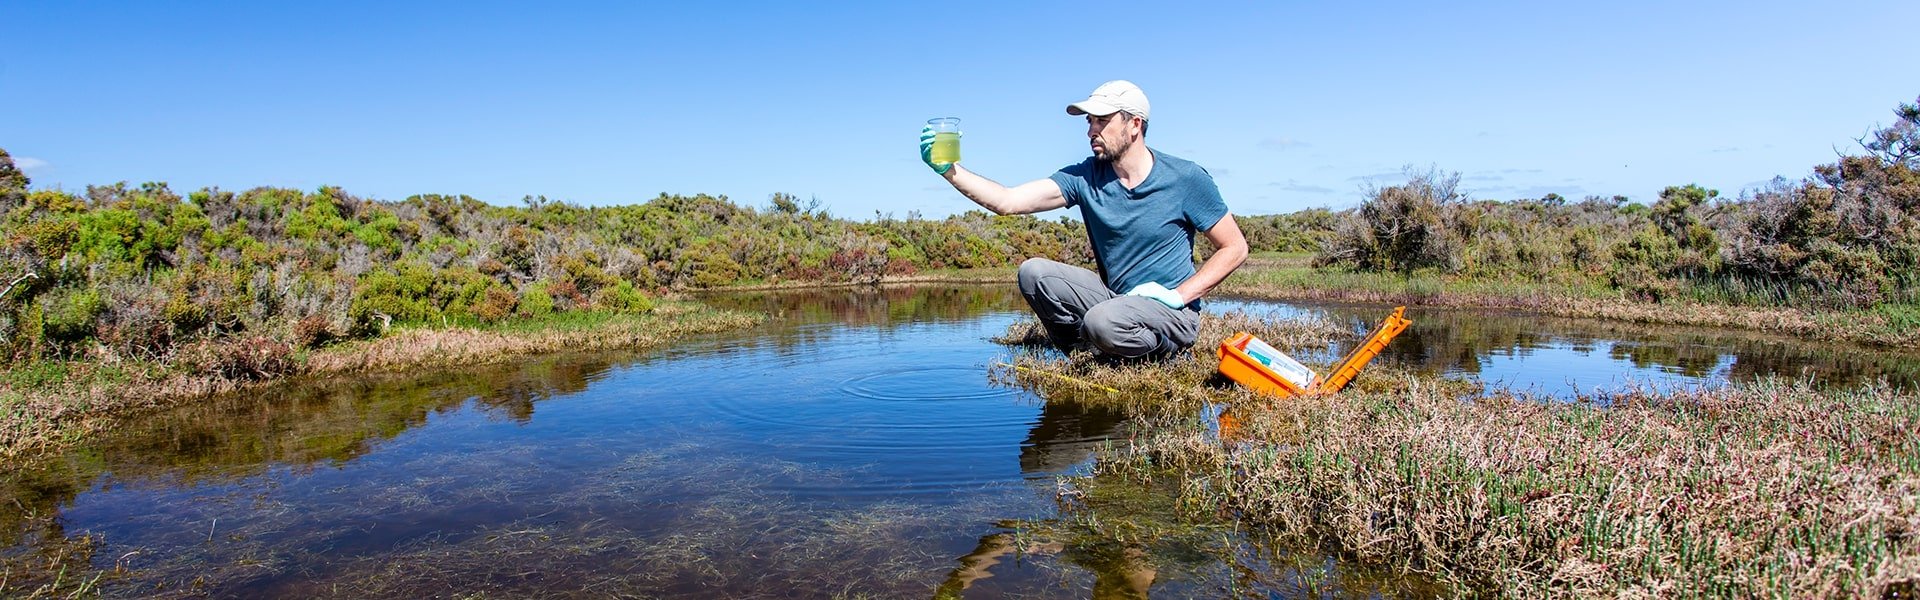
x,y
1027,198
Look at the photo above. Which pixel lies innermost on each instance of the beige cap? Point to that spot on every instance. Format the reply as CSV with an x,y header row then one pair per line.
x,y
1112,96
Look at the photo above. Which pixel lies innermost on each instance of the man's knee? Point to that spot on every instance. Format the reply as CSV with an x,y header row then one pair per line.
x,y
1031,270
1133,327
1115,329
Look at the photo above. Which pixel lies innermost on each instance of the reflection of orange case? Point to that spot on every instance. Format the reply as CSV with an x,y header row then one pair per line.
x,y
1237,365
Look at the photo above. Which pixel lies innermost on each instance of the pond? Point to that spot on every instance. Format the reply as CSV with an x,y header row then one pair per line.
x,y
851,447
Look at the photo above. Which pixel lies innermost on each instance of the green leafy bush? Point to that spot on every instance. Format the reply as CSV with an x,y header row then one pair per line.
x,y
535,301
70,313
622,297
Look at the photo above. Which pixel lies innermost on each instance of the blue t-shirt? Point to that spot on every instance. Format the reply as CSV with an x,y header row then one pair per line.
x,y
1146,233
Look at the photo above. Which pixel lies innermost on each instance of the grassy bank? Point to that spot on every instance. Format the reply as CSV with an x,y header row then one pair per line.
x,y
1768,489
57,403
1291,277
928,277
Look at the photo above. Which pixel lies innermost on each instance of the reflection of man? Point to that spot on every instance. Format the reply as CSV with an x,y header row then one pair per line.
x,y
1141,208
1063,436
1126,575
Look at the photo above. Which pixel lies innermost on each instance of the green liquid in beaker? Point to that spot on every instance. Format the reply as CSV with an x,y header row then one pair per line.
x,y
946,147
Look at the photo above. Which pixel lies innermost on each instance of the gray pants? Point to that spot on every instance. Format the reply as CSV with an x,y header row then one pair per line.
x,y
1076,307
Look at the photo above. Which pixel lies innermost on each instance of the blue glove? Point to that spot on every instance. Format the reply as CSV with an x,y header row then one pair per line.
x,y
1159,292
926,152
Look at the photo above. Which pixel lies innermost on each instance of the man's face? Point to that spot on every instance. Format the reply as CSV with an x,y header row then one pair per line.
x,y
1111,135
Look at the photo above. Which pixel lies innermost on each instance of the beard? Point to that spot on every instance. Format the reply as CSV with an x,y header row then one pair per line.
x,y
1107,153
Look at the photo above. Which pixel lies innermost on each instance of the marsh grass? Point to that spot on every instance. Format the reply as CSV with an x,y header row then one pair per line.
x,y
921,277
54,404
1773,488
1290,277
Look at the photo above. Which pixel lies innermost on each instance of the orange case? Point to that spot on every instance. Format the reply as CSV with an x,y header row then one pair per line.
x,y
1238,366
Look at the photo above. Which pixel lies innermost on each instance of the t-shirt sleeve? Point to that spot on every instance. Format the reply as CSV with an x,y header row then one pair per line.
x,y
1075,181
1205,207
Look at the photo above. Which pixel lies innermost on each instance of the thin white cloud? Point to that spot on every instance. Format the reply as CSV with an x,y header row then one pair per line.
x,y
1302,188
1378,177
28,163
1282,143
1570,191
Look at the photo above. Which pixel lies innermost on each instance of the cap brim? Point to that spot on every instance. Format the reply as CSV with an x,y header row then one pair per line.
x,y
1091,107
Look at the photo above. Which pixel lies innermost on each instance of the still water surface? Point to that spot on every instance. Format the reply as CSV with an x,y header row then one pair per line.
x,y
851,447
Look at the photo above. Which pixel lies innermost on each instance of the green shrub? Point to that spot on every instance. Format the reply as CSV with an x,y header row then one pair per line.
x,y
709,264
51,238
56,201
401,293
535,301
622,297
70,313
585,272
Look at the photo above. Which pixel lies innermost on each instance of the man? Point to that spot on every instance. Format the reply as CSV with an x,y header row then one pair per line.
x,y
1141,207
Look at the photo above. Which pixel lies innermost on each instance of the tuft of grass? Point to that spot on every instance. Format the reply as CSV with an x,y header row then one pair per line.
x,y
37,375
1901,319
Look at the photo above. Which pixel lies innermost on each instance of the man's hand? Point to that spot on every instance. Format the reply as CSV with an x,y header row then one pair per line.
x,y
926,152
1159,292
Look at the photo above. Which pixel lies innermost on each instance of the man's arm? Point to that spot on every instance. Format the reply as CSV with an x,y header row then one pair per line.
x,y
1027,198
1232,250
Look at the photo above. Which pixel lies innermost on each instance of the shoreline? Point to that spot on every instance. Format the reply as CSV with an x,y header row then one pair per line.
x,y
1854,327
47,419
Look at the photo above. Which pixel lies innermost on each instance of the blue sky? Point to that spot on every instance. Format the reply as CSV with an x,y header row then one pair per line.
x,y
1290,105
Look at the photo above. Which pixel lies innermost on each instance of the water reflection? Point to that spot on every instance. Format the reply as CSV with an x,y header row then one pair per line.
x,y
1065,435
863,306
302,426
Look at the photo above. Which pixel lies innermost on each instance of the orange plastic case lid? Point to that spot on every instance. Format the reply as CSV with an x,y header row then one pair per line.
x,y
1237,365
